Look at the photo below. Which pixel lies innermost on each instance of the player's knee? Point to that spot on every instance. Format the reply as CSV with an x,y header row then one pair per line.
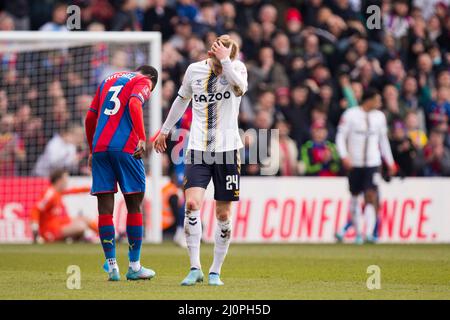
x,y
105,203
370,196
134,202
192,204
223,212
223,215
133,208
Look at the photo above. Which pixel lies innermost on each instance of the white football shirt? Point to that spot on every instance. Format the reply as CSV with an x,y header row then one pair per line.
x,y
215,107
362,136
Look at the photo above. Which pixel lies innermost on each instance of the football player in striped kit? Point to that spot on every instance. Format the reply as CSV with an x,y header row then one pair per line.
x,y
215,86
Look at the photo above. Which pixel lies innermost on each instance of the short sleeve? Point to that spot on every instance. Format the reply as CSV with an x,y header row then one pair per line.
x,y
141,90
185,90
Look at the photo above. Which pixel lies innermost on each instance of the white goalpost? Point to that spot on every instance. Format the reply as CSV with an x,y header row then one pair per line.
x,y
46,72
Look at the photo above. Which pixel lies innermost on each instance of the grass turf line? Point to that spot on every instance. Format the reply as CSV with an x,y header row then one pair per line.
x,y
287,271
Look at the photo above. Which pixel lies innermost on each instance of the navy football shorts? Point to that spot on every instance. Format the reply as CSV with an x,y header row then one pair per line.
x,y
222,167
362,179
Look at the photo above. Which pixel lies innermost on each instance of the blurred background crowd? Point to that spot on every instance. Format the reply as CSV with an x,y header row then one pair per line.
x,y
308,61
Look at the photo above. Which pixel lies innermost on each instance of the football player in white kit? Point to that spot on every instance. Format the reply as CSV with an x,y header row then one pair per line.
x,y
362,143
215,86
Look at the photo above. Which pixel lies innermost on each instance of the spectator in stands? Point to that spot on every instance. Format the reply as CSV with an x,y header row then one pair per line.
x,y
187,9
403,150
327,102
267,74
227,17
439,110
34,140
283,99
436,155
319,156
350,96
282,48
394,72
297,114
119,62
312,55
22,118
59,18
425,71
78,112
12,152
160,17
294,23
19,11
168,93
428,8
409,93
196,48
253,41
266,102
394,109
183,31
57,117
318,113
125,18
283,151
397,22
443,78
267,18
60,152
206,21
417,136
254,143
6,22
3,102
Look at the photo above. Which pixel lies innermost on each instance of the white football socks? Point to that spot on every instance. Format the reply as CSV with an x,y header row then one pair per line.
x,y
135,265
221,243
112,264
371,218
355,211
193,231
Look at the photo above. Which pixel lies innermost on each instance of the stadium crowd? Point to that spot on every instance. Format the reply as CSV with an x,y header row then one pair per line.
x,y
308,61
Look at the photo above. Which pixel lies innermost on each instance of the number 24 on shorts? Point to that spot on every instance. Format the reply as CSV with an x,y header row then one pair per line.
x,y
230,180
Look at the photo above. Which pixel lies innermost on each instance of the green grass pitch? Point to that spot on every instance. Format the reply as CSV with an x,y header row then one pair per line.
x,y
250,272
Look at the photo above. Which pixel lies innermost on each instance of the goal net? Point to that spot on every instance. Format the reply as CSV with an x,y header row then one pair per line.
x,y
47,81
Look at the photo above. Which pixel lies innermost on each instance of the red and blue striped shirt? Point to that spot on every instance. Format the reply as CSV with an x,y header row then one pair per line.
x,y
114,130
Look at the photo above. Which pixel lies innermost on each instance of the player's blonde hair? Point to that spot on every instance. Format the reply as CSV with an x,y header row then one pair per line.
x,y
227,41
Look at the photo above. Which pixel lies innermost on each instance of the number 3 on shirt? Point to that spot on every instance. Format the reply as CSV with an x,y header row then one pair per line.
x,y
115,100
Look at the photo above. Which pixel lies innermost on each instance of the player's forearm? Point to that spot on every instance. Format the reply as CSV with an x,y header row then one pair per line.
x,y
177,110
137,117
236,79
90,124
